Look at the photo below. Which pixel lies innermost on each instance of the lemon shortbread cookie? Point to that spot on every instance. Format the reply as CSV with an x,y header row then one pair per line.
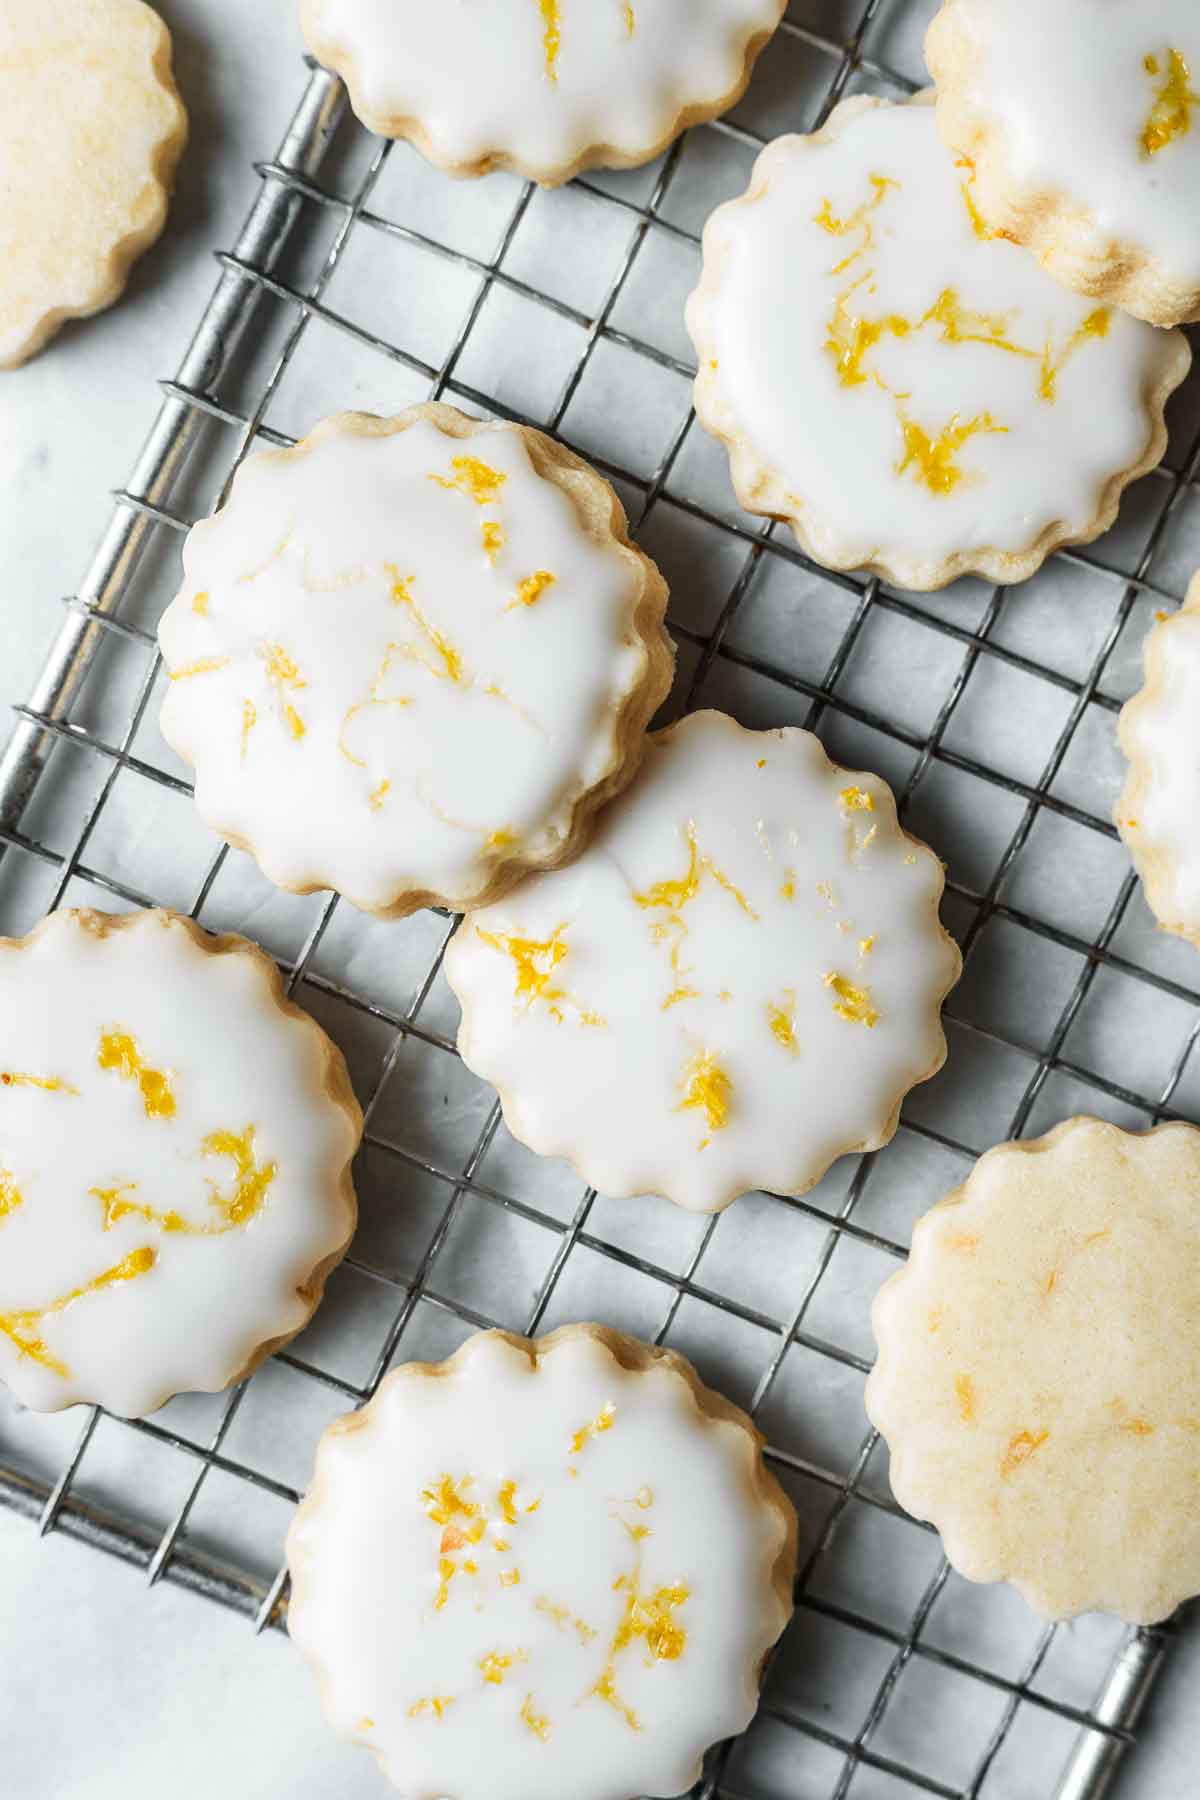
x,y
91,128
913,395
542,1568
544,87
175,1145
1158,814
738,981
1081,121
411,658
1038,1379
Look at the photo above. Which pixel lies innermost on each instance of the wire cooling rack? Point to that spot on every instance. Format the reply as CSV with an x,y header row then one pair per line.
x,y
364,279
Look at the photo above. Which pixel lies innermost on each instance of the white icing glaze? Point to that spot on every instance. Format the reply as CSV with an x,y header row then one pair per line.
x,y
851,327
682,971
378,688
129,1065
90,128
606,1487
540,83
1069,86
1160,731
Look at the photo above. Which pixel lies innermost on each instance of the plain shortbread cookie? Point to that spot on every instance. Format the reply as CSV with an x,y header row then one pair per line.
x,y
91,128
1038,1379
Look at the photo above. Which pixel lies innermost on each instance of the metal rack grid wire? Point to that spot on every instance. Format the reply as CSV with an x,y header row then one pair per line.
x,y
897,1686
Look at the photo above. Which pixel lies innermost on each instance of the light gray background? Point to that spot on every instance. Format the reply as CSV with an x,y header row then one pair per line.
x,y
107,1690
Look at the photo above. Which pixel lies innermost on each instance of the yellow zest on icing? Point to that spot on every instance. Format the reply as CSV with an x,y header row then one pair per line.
x,y
534,964
933,458
707,1089
788,890
510,1577
500,840
493,539
865,946
49,1084
782,1020
856,799
1020,1449
852,338
235,1209
858,220
964,1393
1094,326
249,721
447,663
207,665
539,1726
120,1053
437,1706
852,1003
630,18
603,1421
11,1196
649,1619
477,480
496,1665
979,225
375,801
564,1618
936,1318
530,591
1171,114
21,1328
963,325
285,678
200,605
673,896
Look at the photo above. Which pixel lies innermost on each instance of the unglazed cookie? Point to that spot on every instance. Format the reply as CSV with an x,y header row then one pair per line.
x,y
91,128
1158,814
736,983
914,396
1082,122
1038,1379
175,1146
544,87
541,1568
411,657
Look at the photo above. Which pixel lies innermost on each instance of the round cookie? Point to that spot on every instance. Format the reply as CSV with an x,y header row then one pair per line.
x,y
1158,814
541,1568
91,128
412,657
1038,1378
1082,123
737,982
913,395
175,1148
544,87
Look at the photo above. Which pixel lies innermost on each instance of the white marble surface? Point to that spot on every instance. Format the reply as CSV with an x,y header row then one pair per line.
x,y
106,1690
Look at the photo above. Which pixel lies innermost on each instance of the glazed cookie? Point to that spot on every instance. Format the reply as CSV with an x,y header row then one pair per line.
x,y
1038,1379
1081,122
544,87
736,983
175,1146
913,395
1159,808
91,128
412,657
542,1568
